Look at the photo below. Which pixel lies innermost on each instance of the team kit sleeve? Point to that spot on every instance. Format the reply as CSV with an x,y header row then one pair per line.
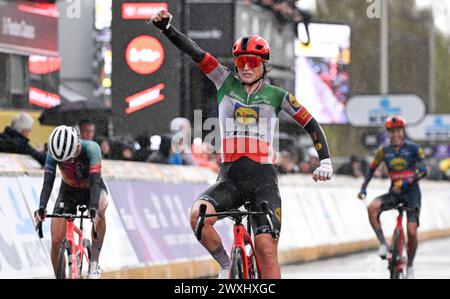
x,y
379,157
302,116
421,167
215,72
95,166
49,180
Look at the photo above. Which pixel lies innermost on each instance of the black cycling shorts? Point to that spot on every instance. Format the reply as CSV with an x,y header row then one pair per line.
x,y
413,203
247,181
70,198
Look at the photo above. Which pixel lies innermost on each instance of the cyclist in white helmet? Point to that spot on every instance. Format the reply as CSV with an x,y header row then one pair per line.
x,y
79,162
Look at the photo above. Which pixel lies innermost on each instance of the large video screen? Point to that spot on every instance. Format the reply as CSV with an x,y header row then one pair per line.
x,y
322,81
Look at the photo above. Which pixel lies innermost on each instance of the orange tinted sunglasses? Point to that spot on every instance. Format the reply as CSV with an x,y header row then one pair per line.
x,y
251,61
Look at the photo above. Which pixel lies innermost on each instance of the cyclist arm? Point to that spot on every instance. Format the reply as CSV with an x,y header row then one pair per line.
x,y
95,166
421,168
49,179
301,115
208,64
379,156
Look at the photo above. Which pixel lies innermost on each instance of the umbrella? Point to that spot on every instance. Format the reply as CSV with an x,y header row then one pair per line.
x,y
70,113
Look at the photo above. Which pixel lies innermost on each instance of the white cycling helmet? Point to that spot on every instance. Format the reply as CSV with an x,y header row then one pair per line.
x,y
62,143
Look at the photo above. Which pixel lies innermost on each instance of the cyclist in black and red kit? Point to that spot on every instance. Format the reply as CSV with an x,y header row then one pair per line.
x,y
248,109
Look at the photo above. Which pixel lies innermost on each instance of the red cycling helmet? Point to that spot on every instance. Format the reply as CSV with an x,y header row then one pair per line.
x,y
252,44
393,122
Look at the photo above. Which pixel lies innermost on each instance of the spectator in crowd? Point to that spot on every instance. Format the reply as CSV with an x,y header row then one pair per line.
x,y
143,151
286,163
127,153
313,158
15,139
105,148
353,168
309,162
87,129
163,153
181,130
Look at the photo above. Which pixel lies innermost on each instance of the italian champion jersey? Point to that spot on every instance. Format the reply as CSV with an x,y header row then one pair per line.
x,y
247,121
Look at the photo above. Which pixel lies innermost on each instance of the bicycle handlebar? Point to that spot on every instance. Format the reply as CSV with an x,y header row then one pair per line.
x,y
70,217
235,214
403,192
269,214
67,216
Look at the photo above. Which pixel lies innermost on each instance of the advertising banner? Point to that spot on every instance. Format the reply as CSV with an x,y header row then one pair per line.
x,y
434,127
28,28
372,110
213,32
156,217
146,73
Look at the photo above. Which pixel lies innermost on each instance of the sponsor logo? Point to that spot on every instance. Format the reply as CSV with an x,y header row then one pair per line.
x,y
205,34
304,115
43,98
421,154
144,99
294,103
141,11
145,54
18,28
379,115
43,65
398,164
278,214
246,115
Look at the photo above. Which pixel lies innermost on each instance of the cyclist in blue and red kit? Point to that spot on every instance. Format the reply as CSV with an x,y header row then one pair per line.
x,y
405,164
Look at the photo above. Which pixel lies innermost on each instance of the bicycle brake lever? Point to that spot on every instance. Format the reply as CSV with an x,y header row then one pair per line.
x,y
269,214
39,230
200,222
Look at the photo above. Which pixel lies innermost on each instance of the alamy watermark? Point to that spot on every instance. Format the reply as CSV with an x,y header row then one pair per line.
x,y
242,134
73,10
374,9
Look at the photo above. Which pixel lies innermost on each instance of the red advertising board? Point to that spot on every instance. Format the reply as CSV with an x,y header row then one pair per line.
x,y
28,28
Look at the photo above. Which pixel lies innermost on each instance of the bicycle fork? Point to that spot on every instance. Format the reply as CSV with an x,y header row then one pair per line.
x,y
241,240
73,254
401,240
78,253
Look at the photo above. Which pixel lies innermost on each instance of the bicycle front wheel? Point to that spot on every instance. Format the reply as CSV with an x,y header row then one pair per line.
x,y
254,269
88,248
237,264
396,258
63,268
